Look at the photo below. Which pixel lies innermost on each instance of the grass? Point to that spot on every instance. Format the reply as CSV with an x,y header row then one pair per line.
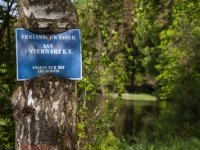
x,y
173,144
130,96
111,143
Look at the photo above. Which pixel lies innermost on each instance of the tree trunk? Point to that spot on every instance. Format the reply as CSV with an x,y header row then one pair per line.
x,y
45,107
47,16
45,113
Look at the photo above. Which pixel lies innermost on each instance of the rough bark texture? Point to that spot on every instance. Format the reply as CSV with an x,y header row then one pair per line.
x,y
45,113
47,16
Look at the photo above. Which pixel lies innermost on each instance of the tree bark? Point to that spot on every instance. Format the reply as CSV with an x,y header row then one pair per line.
x,y
47,16
45,113
45,108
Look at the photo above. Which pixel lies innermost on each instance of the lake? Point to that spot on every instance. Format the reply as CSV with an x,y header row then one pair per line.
x,y
133,115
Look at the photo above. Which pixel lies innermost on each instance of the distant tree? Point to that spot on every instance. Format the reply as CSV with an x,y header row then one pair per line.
x,y
173,35
152,17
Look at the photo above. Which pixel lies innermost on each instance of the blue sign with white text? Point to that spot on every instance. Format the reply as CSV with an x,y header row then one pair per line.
x,y
39,54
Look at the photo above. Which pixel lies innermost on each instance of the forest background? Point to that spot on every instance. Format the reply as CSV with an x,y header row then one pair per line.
x,y
150,45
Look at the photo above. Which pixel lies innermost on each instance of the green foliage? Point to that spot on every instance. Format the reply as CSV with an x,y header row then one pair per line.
x,y
94,127
170,48
104,70
180,61
172,144
165,53
7,72
5,136
166,41
110,142
171,124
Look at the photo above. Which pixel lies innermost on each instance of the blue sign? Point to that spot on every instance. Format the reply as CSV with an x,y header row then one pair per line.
x,y
39,54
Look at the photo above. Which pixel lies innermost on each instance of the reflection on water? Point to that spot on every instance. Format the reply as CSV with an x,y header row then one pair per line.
x,y
132,115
